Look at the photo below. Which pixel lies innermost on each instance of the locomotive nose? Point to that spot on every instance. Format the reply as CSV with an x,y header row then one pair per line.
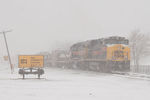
x,y
120,53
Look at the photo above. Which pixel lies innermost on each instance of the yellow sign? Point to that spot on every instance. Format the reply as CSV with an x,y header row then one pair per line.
x,y
27,61
6,58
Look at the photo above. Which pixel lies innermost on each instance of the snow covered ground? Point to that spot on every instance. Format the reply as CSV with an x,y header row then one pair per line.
x,y
59,84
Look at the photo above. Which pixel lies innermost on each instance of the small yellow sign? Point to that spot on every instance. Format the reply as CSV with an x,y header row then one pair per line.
x,y
27,61
6,58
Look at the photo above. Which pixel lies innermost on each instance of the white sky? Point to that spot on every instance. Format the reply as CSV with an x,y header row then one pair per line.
x,y
40,24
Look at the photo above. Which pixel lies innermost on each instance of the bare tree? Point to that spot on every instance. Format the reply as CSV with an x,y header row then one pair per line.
x,y
140,46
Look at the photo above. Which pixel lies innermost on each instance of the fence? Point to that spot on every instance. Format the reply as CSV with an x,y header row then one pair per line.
x,y
142,69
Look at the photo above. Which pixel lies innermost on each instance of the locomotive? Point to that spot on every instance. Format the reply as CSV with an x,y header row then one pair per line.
x,y
104,55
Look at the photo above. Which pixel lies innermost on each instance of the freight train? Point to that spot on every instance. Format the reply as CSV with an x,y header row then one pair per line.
x,y
106,54
103,55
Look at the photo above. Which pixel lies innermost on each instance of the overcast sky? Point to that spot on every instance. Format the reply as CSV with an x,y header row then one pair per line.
x,y
40,24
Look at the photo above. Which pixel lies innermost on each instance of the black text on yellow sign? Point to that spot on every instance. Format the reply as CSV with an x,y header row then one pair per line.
x,y
26,61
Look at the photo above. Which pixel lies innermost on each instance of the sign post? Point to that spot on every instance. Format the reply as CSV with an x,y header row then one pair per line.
x,y
11,66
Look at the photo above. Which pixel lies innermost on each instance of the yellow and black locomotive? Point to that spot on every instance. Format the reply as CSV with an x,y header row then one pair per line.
x,y
105,54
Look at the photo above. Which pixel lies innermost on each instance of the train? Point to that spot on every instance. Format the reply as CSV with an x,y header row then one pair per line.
x,y
103,55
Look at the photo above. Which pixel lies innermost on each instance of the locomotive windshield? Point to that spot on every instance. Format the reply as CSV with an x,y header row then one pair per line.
x,y
114,41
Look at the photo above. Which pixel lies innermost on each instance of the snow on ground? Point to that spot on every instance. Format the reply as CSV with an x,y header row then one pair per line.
x,y
59,84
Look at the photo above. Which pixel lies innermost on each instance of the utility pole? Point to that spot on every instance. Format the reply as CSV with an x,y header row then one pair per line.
x,y
3,32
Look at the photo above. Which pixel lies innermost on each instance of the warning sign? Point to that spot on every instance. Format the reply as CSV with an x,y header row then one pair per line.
x,y
6,58
26,61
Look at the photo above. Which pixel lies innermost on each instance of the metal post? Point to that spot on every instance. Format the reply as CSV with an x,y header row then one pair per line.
x,y
8,53
7,49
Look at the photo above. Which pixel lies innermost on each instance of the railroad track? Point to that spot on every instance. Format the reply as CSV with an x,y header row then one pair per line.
x,y
132,75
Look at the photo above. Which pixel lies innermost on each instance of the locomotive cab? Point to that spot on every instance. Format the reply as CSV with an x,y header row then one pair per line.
x,y
118,54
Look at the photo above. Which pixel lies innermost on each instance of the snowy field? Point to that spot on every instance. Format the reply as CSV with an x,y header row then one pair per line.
x,y
58,84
